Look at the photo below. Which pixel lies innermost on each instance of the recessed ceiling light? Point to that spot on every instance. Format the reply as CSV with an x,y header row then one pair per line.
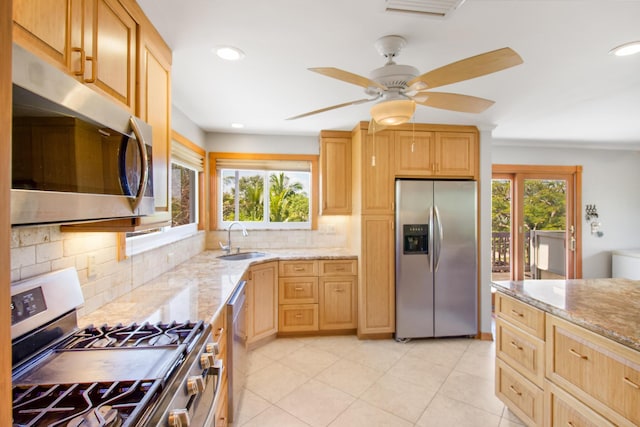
x,y
626,49
237,125
229,53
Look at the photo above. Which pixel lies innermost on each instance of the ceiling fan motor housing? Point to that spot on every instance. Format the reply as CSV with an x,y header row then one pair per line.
x,y
394,76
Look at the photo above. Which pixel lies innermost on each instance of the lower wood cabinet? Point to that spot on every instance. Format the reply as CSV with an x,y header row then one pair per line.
x,y
262,301
219,332
316,295
551,372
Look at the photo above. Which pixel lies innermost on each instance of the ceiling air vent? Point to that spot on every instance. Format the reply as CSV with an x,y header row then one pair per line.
x,y
436,8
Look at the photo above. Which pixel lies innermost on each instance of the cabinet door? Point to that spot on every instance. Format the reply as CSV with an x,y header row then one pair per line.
x,y
338,303
414,153
112,69
42,27
263,301
377,173
335,159
154,107
376,292
456,154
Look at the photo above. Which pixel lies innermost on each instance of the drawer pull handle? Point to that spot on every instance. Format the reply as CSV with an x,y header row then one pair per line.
x,y
571,424
516,313
513,389
297,288
298,316
339,268
298,268
515,345
631,383
576,354
339,290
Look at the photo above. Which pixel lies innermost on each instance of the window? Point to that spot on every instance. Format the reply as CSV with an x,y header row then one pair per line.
x,y
264,191
187,199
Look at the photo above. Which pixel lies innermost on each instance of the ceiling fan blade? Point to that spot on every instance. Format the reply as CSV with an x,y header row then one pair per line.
x,y
453,102
333,107
469,68
348,77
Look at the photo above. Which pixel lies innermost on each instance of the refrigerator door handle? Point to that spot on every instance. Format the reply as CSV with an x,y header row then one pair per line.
x,y
430,250
438,246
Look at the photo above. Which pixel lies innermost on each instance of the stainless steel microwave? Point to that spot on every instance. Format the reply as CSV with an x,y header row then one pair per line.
x,y
76,155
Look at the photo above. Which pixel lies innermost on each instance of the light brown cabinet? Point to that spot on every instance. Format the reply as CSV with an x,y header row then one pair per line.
x,y
589,380
520,358
601,373
317,295
335,172
154,107
219,331
93,41
435,154
376,288
262,301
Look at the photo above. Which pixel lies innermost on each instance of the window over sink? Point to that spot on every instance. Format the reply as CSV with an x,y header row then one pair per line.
x,y
263,191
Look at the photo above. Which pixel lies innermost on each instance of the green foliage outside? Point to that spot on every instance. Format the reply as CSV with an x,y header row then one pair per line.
x,y
288,202
544,205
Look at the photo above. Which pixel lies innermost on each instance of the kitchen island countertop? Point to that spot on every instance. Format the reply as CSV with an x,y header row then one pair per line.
x,y
197,289
609,307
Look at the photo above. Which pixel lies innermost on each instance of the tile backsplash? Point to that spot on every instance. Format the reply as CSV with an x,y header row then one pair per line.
x,y
38,250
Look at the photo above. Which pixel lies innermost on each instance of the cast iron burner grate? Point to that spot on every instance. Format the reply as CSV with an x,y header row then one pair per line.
x,y
135,335
67,404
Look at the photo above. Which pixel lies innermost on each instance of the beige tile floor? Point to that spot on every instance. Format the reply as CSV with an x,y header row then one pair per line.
x,y
341,381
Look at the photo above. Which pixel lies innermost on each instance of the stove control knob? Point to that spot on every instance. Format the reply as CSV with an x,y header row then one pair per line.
x,y
213,347
179,418
195,385
207,360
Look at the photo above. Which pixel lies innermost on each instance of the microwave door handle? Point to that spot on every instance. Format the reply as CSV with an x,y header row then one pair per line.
x,y
135,202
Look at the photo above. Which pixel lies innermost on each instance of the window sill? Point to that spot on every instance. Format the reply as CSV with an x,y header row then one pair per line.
x,y
139,244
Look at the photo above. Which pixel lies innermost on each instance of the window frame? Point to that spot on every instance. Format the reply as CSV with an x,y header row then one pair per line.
x,y
129,246
214,190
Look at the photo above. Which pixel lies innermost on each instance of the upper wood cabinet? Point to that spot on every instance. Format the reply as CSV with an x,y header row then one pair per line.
x,y
43,28
154,107
335,172
94,41
436,154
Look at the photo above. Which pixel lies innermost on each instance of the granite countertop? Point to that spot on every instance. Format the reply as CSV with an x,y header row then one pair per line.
x,y
197,289
609,307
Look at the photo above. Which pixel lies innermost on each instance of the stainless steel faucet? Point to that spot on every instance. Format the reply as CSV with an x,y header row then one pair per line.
x,y
227,247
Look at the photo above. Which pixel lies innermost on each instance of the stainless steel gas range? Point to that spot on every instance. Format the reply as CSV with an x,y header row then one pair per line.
x,y
109,375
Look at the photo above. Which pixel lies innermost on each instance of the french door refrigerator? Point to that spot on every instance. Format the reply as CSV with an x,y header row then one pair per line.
x,y
436,259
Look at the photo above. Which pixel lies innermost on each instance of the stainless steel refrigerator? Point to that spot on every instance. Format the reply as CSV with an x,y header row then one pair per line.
x,y
436,258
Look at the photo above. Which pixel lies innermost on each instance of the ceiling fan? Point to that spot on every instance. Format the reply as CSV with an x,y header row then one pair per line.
x,y
400,87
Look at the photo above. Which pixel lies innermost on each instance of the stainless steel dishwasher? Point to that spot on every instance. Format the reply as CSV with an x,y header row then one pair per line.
x,y
237,348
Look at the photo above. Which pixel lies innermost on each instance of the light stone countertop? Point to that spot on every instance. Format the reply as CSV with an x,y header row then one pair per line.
x,y
609,307
197,289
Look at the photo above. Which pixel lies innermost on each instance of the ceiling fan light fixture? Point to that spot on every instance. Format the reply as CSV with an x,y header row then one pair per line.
x,y
394,112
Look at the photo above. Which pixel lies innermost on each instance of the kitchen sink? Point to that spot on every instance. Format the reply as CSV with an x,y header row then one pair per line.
x,y
241,255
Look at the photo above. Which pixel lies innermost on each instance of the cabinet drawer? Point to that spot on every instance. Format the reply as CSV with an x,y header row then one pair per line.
x,y
298,290
562,410
298,268
339,267
298,317
526,317
520,350
523,397
600,372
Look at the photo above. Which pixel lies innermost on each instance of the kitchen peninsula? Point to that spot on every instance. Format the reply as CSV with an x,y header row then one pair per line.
x,y
568,351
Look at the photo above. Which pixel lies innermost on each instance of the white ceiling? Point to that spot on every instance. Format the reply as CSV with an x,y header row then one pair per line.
x,y
568,89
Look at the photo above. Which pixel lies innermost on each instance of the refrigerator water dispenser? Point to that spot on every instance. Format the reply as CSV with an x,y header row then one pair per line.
x,y
416,237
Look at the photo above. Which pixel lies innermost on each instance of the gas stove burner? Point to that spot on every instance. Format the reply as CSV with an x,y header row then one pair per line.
x,y
136,335
104,404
